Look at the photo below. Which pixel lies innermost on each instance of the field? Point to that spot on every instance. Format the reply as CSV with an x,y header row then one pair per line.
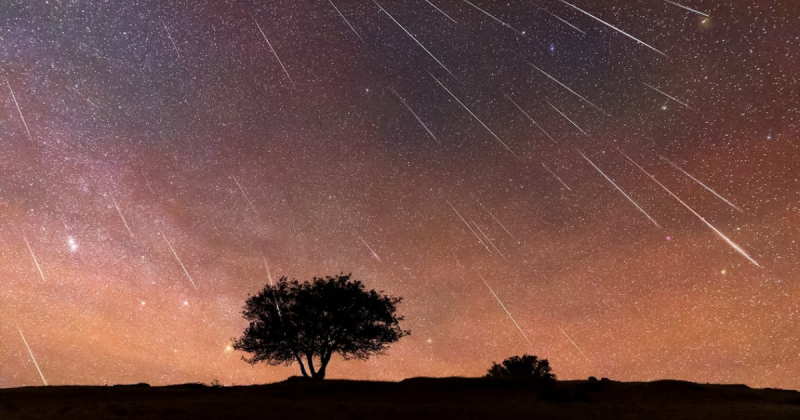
x,y
417,398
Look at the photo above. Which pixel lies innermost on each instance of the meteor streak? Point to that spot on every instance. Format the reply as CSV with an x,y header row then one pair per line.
x,y
554,174
495,219
567,118
266,265
573,343
374,255
487,238
504,308
531,118
274,53
687,8
496,19
119,212
613,27
179,261
469,227
244,194
619,189
668,96
564,86
34,257
732,244
31,353
703,185
14,97
473,115
562,20
458,263
441,11
415,39
415,115
171,40
346,21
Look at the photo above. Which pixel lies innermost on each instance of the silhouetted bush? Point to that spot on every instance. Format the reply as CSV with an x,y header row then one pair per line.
x,y
527,366
592,379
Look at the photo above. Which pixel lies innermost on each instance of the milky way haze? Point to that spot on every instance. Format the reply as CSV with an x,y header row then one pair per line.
x,y
623,175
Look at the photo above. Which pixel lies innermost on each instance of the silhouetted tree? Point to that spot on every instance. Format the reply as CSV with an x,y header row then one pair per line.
x,y
526,366
299,322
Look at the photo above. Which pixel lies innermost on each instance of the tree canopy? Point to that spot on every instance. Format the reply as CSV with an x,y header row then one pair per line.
x,y
527,366
292,321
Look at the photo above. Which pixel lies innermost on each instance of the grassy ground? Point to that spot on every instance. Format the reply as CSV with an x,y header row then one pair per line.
x,y
416,399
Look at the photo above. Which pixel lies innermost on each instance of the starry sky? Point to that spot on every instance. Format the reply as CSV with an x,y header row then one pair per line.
x,y
622,175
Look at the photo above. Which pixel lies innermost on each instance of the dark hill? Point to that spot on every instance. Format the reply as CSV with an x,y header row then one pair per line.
x,y
417,398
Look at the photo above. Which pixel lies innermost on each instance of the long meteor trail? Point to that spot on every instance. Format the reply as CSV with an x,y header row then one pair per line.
x,y
687,8
495,219
374,254
346,21
504,308
620,189
565,86
252,207
22,117
668,96
179,261
34,257
531,119
496,19
175,47
568,119
441,11
732,244
613,27
415,39
703,185
573,343
419,120
473,115
469,227
489,240
119,212
557,177
31,353
274,53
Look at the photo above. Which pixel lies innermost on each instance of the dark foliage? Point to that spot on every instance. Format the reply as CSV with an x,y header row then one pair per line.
x,y
527,366
298,322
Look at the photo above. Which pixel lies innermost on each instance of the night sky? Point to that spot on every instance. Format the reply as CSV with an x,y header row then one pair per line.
x,y
623,175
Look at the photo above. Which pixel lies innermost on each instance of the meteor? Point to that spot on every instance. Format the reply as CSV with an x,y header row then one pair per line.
x,y
703,185
170,39
458,263
470,227
441,11
179,261
668,96
119,212
619,189
495,219
687,8
244,194
487,238
374,255
732,244
346,21
613,27
567,118
415,39
274,53
504,308
496,19
33,256
554,174
531,118
31,353
473,115
419,120
14,97
565,86
573,343
562,20
266,265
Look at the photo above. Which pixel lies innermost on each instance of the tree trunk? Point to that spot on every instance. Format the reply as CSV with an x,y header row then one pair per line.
x,y
302,368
